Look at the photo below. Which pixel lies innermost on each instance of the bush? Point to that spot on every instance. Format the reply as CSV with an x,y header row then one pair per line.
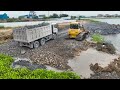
x,y
64,15
7,72
1,27
54,16
97,38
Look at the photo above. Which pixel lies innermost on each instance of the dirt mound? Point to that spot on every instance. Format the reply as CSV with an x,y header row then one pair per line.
x,y
5,35
106,47
112,70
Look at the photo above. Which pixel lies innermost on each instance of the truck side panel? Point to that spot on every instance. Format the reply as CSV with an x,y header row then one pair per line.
x,y
20,35
38,33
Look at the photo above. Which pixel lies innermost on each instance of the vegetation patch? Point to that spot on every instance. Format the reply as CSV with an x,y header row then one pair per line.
x,y
97,38
7,72
1,27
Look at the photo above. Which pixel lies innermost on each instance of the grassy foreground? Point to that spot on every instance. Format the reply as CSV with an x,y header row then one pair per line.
x,y
7,72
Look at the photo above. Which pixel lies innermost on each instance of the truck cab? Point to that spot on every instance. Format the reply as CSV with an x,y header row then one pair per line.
x,y
54,28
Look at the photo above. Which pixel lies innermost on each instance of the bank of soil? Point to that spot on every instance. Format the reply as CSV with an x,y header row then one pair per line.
x,y
112,71
5,35
104,47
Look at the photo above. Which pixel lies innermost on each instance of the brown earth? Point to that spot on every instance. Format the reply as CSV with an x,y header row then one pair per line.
x,y
5,35
113,69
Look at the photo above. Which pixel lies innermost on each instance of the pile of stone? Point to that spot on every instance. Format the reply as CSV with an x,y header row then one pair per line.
x,y
102,28
33,26
49,58
26,63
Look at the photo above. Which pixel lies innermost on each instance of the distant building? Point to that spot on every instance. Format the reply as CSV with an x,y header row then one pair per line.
x,y
3,16
41,16
31,15
107,15
100,15
116,15
92,16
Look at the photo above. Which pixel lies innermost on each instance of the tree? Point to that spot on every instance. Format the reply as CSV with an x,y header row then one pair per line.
x,y
13,20
46,17
64,15
35,17
54,16
73,17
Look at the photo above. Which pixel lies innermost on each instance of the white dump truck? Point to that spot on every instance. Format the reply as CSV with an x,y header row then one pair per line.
x,y
35,35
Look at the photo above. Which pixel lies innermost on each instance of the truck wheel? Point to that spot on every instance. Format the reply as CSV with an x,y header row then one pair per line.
x,y
42,41
54,36
36,44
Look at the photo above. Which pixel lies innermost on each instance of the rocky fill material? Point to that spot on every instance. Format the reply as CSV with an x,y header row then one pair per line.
x,y
102,28
54,53
27,64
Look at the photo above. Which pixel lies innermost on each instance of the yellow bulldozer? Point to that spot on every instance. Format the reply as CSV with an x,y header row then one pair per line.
x,y
77,31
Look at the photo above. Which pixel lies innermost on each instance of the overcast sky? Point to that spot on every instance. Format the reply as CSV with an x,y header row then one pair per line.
x,y
86,13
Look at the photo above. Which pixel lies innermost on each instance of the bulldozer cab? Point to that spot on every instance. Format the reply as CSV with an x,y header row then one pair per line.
x,y
76,25
77,31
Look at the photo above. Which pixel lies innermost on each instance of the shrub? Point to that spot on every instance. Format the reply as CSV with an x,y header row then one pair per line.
x,y
97,38
7,72
1,27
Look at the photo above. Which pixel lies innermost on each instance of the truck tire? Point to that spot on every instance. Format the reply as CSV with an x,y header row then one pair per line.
x,y
36,44
42,41
54,36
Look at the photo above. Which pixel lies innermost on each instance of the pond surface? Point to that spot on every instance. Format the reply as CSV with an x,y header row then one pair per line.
x,y
114,39
80,64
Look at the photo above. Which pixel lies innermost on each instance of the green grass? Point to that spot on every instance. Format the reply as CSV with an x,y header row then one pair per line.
x,y
97,38
2,27
7,72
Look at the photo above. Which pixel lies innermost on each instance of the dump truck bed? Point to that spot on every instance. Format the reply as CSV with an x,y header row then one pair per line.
x,y
30,35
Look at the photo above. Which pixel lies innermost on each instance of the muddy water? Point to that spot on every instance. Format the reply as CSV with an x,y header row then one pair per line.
x,y
80,64
115,40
